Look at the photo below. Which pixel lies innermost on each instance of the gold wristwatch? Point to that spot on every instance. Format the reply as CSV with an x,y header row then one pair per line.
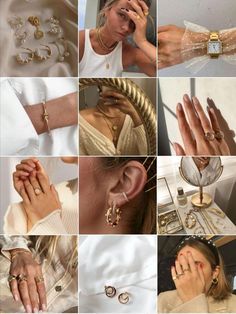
x,y
214,45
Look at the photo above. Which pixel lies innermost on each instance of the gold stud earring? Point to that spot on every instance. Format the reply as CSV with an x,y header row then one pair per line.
x,y
113,211
110,291
41,57
34,20
29,58
124,297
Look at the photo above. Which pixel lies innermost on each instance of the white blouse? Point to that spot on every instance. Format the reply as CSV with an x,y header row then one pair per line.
x,y
17,133
132,140
127,263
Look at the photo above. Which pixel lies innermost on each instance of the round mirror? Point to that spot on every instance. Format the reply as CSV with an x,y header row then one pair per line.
x,y
200,171
121,121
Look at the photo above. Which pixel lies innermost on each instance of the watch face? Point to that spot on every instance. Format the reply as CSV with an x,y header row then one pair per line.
x,y
214,47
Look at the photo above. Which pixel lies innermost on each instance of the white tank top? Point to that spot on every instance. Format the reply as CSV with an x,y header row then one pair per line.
x,y
95,65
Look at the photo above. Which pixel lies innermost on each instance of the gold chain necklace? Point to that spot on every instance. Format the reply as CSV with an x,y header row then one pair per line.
x,y
104,46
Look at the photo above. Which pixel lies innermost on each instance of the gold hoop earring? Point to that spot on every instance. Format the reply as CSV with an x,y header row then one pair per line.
x,y
113,211
215,281
26,60
41,57
123,297
110,291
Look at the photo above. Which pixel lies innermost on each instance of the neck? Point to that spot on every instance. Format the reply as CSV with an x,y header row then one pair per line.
x,y
106,37
110,110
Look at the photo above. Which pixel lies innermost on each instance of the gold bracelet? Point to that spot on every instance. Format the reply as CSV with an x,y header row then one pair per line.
x,y
13,255
45,116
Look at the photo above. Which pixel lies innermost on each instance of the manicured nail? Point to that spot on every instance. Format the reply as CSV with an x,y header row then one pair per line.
x,y
36,310
16,298
28,309
44,307
195,101
186,97
179,107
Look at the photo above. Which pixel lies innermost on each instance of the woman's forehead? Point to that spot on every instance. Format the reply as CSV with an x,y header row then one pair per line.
x,y
125,4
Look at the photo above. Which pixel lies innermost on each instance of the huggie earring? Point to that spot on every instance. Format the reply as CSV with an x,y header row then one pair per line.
x,y
123,297
55,29
110,291
40,57
215,281
34,20
113,210
19,58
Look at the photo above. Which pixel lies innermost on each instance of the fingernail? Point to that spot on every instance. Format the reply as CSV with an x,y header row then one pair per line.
x,y
194,100
44,308
36,310
186,97
28,309
179,107
16,297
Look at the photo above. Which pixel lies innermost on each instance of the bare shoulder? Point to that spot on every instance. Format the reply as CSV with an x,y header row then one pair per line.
x,y
81,44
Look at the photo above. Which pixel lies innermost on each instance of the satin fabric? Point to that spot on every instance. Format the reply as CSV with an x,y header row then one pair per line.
x,y
65,11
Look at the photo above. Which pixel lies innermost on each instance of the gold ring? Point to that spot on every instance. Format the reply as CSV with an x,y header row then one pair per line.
x,y
209,136
137,17
146,13
21,277
174,277
179,275
186,269
11,277
37,191
39,279
219,135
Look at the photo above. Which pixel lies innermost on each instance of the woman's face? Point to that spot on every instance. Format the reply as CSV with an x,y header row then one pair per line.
x,y
118,22
200,259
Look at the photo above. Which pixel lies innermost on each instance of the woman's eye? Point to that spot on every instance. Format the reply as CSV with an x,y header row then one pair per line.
x,y
122,15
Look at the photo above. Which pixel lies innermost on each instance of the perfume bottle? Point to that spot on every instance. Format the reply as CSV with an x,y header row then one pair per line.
x,y
181,197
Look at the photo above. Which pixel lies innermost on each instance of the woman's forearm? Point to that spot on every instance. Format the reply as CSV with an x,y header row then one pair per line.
x,y
149,50
62,112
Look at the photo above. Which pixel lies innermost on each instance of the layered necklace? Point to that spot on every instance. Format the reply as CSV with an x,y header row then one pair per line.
x,y
112,123
104,46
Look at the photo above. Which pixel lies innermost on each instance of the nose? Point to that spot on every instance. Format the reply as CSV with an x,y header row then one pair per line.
x,y
125,27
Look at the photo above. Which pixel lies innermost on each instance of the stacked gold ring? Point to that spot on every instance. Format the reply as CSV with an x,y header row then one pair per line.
x,y
11,277
39,279
21,277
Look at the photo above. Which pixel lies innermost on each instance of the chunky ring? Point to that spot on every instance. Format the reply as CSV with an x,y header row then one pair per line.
x,y
11,277
37,191
179,275
39,279
186,269
174,277
219,135
210,136
21,277
137,16
146,13
123,297
110,291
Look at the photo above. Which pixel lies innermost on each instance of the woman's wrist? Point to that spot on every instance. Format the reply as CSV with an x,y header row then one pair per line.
x,y
135,118
62,112
16,252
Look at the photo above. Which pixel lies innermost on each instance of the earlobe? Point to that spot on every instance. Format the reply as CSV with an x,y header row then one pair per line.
x,y
130,182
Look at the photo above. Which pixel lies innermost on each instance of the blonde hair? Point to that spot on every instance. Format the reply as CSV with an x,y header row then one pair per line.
x,y
144,218
221,290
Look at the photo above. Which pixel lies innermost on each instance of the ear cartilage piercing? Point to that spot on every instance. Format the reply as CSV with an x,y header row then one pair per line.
x,y
125,196
26,60
34,20
41,57
55,28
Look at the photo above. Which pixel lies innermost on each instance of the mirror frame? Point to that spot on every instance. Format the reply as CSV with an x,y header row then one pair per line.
x,y
138,98
183,177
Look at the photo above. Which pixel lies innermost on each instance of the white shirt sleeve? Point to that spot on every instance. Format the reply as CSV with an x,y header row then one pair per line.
x,y
17,134
13,242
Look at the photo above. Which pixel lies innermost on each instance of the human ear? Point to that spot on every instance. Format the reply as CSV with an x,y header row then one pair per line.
x,y
216,272
127,183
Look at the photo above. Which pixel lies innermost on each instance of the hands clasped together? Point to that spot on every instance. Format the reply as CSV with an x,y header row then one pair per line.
x,y
39,197
201,135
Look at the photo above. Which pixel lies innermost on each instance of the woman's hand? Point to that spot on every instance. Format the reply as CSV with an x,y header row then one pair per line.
x,y
30,291
117,100
201,135
188,277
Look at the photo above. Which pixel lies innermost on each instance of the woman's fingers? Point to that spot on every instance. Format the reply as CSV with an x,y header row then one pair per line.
x,y
110,93
33,294
24,294
42,295
30,162
178,268
35,183
206,125
14,289
43,182
137,7
184,128
201,274
24,195
20,173
184,263
193,119
191,263
212,115
29,190
179,151
144,7
25,167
